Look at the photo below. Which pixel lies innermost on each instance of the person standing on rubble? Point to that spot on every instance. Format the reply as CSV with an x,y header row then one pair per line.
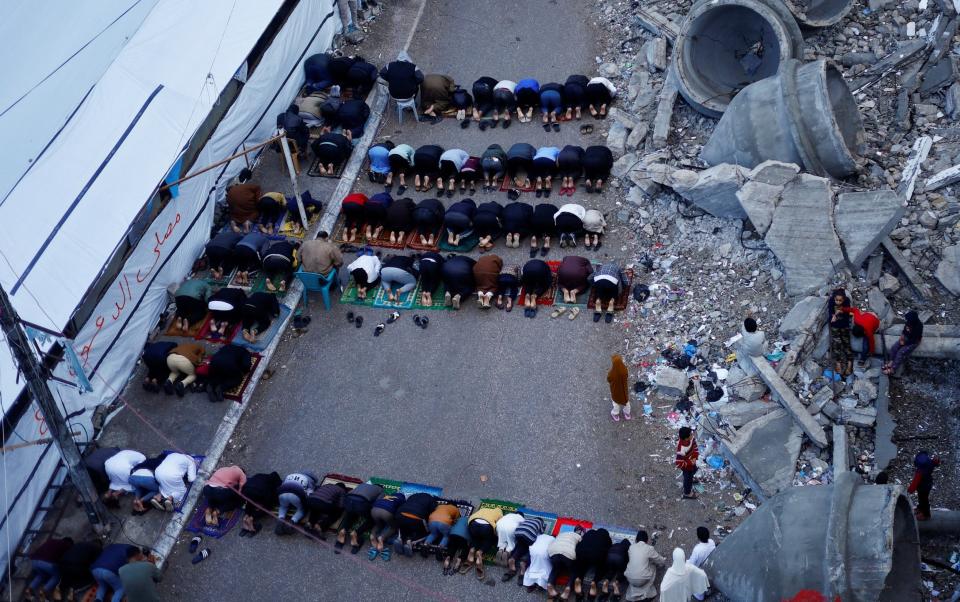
x,y
922,482
686,460
840,349
752,343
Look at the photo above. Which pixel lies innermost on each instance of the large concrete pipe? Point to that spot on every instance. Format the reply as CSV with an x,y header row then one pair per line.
x,y
805,115
819,13
726,45
848,541
940,341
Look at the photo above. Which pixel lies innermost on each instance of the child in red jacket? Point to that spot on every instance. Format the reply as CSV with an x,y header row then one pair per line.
x,y
686,460
923,482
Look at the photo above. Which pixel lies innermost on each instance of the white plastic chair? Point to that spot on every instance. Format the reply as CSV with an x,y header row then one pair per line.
x,y
406,103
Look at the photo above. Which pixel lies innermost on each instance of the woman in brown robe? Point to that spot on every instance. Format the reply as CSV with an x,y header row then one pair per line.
x,y
619,391
486,273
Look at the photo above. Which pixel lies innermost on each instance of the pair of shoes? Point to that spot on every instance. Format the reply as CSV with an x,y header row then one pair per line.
x,y
421,321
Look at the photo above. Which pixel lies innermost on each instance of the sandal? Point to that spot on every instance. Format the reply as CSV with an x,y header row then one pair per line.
x,y
615,417
203,555
385,554
574,313
556,127
358,322
608,318
372,554
558,312
194,544
586,129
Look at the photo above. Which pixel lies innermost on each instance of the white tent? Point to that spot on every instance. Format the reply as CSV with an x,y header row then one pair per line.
x,y
109,130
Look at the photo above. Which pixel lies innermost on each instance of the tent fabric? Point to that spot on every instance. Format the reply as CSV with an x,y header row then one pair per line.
x,y
113,188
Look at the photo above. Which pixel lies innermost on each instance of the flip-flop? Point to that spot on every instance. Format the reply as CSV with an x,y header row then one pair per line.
x,y
574,313
627,417
424,322
372,554
556,313
507,123
546,127
385,554
556,127
589,188
358,322
596,316
544,251
350,317
608,318
596,247
354,549
379,329
464,124
586,129
439,193
401,190
533,252
203,555
546,193
194,544
483,126
393,317
337,547
244,533
615,417
449,194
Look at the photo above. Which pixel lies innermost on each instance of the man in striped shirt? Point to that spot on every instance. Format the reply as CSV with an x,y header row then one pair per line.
x,y
524,536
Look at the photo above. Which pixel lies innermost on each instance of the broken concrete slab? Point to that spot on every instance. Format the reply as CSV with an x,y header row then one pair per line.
x,y
671,382
782,392
802,234
803,317
864,219
880,305
947,177
739,413
740,385
906,268
624,164
759,200
888,283
948,270
656,23
775,173
884,448
624,118
617,139
638,135
657,53
841,450
921,148
661,122
714,191
768,448
860,417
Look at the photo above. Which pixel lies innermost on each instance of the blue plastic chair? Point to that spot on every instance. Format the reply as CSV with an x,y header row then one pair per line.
x,y
317,283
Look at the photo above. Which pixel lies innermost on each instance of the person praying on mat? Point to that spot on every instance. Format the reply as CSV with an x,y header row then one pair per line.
x,y
329,109
431,267
439,523
519,163
325,505
144,482
220,253
398,276
527,93
594,224
191,299
402,77
118,468
352,117
537,280
597,163
384,519
504,101
222,493
292,494
462,102
436,92
524,536
592,556
279,261
365,271
361,77
317,73
542,228
171,474
469,174
379,156
43,567
516,219
487,223
483,104
506,536
508,286
399,219
544,168
320,256
248,256
295,128
457,275
357,505
226,307
570,167
493,162
331,150
106,569
375,213
563,556
486,273
242,202
451,162
155,359
608,283
618,556
573,277
428,217
260,496
183,361
426,166
540,568
569,223
575,95
551,103
482,527
311,209
272,206
458,221
228,367
339,68
401,162
457,546
600,93
352,209
411,520
260,310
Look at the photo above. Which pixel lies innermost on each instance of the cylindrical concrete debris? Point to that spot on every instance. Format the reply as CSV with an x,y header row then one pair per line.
x,y
726,45
848,541
805,115
819,13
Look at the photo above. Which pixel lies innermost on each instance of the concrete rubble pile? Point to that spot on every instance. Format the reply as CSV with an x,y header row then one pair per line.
x,y
794,161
